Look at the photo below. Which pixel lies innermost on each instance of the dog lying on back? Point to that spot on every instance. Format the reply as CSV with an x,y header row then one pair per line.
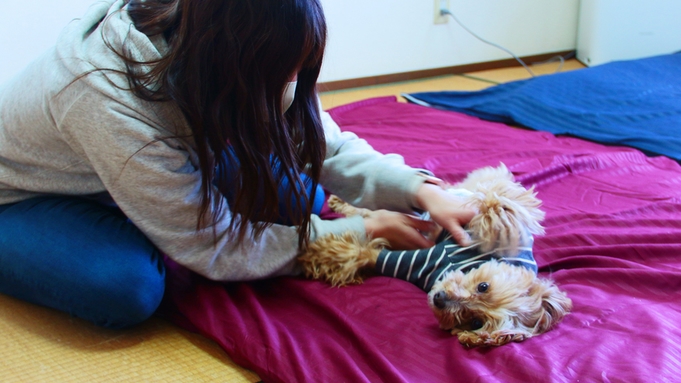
x,y
488,294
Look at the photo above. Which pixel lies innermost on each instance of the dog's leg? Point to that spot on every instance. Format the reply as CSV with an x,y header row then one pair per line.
x,y
341,207
341,259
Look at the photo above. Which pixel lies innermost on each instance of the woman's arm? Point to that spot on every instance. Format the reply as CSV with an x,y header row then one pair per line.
x,y
366,178
363,177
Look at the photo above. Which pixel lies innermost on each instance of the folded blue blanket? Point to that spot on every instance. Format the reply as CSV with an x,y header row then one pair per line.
x,y
633,103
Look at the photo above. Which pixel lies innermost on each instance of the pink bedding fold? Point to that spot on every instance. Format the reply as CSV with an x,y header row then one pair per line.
x,y
613,243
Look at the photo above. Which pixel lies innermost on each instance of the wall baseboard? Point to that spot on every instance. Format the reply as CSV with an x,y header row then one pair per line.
x,y
420,74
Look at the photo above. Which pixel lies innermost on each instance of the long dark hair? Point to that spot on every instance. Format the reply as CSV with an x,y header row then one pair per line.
x,y
227,66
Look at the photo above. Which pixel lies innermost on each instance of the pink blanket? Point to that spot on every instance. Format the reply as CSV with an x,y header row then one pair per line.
x,y
613,243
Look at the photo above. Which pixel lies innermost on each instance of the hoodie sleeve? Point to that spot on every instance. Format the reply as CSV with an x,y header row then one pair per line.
x,y
360,175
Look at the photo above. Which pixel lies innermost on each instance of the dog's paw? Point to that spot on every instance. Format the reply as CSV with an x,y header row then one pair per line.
x,y
336,204
471,339
485,339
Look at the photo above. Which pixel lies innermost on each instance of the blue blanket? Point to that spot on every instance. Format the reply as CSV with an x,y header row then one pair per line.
x,y
633,103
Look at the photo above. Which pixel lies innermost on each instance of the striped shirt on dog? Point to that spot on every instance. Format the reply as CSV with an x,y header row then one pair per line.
x,y
424,267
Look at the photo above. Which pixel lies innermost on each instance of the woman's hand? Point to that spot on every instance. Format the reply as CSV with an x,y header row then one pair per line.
x,y
403,232
447,210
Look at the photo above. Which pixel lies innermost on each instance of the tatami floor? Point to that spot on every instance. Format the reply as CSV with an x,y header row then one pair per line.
x,y
469,81
42,345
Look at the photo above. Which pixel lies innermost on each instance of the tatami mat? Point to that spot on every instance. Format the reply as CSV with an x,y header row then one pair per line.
x,y
467,82
520,73
42,345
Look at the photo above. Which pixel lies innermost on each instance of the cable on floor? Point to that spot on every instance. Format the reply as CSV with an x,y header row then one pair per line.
x,y
447,12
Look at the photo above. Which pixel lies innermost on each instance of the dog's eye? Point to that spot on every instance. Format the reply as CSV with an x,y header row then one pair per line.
x,y
482,287
476,323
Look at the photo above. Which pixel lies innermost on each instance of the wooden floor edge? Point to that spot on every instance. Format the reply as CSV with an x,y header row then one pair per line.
x,y
420,74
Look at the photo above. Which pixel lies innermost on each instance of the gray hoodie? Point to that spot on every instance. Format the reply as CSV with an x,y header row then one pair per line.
x,y
95,137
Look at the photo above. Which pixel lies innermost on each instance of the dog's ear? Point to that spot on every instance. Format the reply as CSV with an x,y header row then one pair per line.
x,y
555,304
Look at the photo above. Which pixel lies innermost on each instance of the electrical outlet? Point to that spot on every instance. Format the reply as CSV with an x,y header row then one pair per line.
x,y
437,17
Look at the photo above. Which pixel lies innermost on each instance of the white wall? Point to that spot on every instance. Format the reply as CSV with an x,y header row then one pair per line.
x,y
366,37
376,37
28,28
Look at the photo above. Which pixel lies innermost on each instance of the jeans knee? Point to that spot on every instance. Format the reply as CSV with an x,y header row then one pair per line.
x,y
78,256
133,303
131,295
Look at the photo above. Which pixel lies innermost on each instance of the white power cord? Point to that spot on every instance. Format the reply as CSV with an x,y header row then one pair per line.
x,y
445,12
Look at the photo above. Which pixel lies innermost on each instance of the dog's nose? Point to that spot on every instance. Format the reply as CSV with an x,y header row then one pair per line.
x,y
439,299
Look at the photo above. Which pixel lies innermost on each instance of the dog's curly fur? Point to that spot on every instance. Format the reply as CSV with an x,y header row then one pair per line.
x,y
507,210
341,259
514,304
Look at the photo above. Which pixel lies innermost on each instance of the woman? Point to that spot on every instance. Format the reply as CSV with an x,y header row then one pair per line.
x,y
171,126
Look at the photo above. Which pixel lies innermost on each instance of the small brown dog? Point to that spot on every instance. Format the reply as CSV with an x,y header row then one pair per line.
x,y
486,299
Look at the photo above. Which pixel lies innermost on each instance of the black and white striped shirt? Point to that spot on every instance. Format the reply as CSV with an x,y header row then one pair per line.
x,y
424,267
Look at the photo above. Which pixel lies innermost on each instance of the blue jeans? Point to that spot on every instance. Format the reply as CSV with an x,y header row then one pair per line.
x,y
79,256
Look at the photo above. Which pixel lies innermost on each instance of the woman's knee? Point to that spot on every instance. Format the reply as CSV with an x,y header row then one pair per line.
x,y
120,299
77,256
131,298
